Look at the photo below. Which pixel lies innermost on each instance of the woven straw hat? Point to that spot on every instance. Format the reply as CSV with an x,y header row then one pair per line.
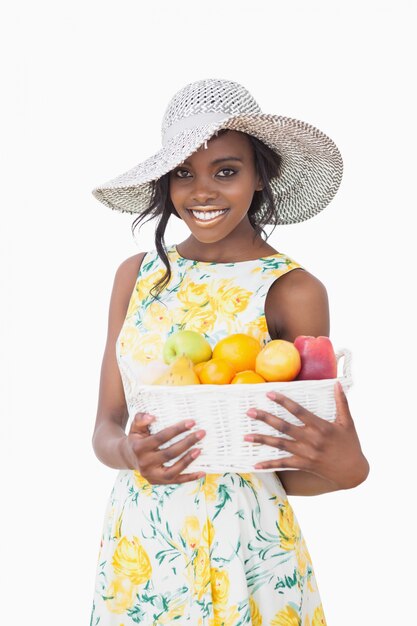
x,y
311,166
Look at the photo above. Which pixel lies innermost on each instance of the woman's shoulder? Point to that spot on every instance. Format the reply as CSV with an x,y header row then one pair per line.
x,y
129,268
298,300
127,274
297,282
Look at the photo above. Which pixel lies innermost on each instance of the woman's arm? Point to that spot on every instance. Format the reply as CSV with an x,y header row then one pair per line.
x,y
297,304
112,415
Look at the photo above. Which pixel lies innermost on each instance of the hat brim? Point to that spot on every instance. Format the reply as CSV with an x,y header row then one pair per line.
x,y
310,175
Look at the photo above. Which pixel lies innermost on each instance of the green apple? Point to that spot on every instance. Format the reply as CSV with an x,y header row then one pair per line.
x,y
188,343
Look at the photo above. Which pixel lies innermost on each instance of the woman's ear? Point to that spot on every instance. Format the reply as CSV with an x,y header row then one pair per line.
x,y
259,185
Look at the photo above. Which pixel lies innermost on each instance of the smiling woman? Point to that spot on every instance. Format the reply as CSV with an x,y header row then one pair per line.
x,y
231,172
221,188
218,548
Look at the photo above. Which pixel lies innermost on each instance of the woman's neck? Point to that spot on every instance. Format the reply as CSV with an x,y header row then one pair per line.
x,y
230,251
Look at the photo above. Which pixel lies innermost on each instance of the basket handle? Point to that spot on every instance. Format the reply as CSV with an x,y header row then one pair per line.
x,y
347,362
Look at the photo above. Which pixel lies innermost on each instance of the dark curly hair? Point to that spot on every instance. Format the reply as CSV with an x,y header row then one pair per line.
x,y
267,164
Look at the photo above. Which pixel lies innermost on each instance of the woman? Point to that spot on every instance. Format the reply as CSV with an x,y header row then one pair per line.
x,y
217,549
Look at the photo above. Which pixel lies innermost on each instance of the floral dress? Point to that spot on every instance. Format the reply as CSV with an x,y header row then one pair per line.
x,y
224,550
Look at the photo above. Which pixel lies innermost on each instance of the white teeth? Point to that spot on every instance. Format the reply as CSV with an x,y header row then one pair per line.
x,y
207,215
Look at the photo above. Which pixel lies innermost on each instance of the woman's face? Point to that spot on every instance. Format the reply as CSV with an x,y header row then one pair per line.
x,y
212,190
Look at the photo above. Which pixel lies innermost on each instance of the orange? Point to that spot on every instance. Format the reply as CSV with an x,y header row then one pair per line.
x,y
217,372
248,376
279,360
240,349
198,367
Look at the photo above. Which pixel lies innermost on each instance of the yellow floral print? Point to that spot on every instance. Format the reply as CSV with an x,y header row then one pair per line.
x,y
133,304
157,317
219,586
252,480
173,615
191,531
288,527
129,337
120,594
222,550
311,585
199,319
118,527
142,484
192,295
291,538
201,572
318,617
303,556
148,348
286,617
258,329
130,560
208,532
208,485
255,615
145,284
228,616
229,298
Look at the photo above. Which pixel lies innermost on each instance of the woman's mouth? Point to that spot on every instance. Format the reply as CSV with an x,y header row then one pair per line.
x,y
207,216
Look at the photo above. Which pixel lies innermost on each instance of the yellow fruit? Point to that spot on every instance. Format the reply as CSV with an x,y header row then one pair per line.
x,y
239,349
180,372
247,376
217,372
279,360
198,367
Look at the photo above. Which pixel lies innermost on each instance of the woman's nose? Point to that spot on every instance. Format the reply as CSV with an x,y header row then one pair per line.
x,y
203,192
203,195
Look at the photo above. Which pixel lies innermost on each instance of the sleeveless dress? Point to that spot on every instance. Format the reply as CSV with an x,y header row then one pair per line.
x,y
223,550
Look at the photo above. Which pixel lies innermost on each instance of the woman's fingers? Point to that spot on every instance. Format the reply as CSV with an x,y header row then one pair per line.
x,y
343,415
304,415
151,457
283,426
290,445
140,423
288,462
153,442
171,452
173,474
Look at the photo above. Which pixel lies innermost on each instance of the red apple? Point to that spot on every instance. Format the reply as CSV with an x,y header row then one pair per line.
x,y
318,360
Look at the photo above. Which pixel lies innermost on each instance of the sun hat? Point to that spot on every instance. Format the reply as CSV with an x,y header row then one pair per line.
x,y
311,166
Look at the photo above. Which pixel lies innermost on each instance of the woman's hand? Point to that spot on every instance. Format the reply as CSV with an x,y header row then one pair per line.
x,y
330,450
141,450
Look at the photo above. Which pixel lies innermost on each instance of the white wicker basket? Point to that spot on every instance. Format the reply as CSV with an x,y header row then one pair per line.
x,y
221,411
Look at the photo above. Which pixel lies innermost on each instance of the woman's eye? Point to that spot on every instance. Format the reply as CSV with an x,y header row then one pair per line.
x,y
223,173
227,171
181,173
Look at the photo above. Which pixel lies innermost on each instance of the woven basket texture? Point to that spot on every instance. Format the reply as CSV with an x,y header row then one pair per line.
x,y
221,411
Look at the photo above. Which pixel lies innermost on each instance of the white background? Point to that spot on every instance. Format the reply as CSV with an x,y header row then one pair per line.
x,y
87,84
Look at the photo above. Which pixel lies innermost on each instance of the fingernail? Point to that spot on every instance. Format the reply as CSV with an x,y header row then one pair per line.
x,y
189,424
251,413
195,453
248,437
147,418
272,395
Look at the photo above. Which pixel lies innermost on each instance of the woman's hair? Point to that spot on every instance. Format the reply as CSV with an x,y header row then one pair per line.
x,y
267,164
